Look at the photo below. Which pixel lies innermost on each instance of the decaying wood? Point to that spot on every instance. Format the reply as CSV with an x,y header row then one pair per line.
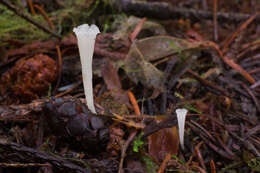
x,y
17,153
162,10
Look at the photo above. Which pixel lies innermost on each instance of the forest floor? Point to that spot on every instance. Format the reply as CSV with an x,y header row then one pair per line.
x,y
151,58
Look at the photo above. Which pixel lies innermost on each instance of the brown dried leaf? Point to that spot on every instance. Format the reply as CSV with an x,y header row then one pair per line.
x,y
163,142
112,80
110,76
137,65
157,47
140,70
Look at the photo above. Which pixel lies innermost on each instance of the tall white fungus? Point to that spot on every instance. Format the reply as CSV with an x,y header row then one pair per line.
x,y
86,36
181,116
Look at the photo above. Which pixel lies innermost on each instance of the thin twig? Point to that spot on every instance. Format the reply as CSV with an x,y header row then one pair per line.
x,y
217,149
45,16
164,163
170,65
204,4
231,63
137,29
28,18
215,19
134,103
233,36
212,167
253,97
124,148
75,85
208,83
24,165
257,84
23,153
199,155
30,3
59,68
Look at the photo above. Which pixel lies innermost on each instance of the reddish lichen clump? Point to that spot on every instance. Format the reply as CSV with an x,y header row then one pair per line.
x,y
30,78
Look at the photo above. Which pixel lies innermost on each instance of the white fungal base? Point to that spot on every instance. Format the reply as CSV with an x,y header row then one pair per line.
x,y
86,36
181,116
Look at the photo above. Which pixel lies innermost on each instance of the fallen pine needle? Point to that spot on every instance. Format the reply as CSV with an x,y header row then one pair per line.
x,y
164,163
134,103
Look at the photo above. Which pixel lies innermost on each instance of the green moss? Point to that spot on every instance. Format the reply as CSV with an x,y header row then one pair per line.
x,y
15,27
150,165
74,13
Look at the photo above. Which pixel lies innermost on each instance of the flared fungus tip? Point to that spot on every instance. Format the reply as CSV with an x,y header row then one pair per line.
x,y
85,29
86,36
181,115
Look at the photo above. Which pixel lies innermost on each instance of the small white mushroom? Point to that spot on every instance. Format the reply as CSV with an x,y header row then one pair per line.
x,y
86,36
181,115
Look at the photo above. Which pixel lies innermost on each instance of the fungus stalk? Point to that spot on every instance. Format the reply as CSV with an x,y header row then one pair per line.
x,y
181,116
86,36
